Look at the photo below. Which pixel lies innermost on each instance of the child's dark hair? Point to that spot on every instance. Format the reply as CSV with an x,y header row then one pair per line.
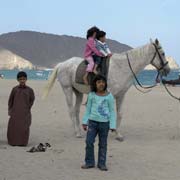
x,y
91,31
21,74
97,78
100,34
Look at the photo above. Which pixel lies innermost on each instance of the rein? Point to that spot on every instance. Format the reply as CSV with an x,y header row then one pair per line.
x,y
168,91
151,62
135,77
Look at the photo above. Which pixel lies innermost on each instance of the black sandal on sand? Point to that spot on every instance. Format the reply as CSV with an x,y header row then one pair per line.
x,y
47,145
33,149
40,148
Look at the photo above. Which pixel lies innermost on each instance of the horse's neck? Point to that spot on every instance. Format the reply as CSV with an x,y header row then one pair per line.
x,y
140,57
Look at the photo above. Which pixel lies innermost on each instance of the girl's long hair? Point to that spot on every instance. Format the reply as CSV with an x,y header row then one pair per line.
x,y
97,78
91,31
93,85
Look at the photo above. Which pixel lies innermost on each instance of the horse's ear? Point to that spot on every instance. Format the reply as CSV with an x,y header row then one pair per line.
x,y
156,41
151,41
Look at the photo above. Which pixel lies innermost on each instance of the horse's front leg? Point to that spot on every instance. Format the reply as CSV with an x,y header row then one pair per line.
x,y
68,91
79,97
119,101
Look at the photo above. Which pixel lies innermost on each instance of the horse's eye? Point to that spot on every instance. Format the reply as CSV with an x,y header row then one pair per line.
x,y
163,54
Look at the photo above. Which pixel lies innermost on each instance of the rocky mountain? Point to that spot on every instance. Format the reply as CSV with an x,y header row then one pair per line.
x,y
45,50
8,60
172,63
29,49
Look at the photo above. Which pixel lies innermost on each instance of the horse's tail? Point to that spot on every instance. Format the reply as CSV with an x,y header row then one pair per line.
x,y
50,83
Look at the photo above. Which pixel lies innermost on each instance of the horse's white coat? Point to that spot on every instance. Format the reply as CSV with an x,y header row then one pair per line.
x,y
120,78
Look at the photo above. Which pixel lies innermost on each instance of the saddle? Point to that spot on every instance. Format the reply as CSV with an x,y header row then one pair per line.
x,y
81,70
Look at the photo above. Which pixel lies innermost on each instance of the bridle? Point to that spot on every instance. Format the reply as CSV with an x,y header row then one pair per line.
x,y
163,64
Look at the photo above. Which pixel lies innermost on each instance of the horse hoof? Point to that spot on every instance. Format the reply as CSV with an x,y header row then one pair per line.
x,y
79,136
120,139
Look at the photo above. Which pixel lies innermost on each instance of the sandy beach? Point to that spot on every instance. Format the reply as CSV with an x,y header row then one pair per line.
x,y
150,151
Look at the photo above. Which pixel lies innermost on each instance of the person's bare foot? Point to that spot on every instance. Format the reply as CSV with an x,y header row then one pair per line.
x,y
95,72
85,80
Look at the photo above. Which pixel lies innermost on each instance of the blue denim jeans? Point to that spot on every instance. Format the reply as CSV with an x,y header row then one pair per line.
x,y
97,59
101,129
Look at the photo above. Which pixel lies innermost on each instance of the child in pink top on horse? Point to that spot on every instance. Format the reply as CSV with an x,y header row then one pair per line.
x,y
90,50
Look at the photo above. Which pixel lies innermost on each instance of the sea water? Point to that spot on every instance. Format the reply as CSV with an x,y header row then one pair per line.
x,y
146,77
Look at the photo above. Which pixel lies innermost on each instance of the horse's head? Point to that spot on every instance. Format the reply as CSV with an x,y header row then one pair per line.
x,y
159,59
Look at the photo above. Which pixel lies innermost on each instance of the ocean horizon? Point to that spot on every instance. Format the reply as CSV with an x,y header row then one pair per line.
x,y
146,77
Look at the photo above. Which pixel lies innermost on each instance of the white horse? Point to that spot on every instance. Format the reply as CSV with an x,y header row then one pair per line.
x,y
120,78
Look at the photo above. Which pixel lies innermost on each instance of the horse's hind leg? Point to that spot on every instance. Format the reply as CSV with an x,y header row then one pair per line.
x,y
119,101
68,91
79,97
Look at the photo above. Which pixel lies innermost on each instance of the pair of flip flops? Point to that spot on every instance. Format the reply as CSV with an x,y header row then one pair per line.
x,y
40,148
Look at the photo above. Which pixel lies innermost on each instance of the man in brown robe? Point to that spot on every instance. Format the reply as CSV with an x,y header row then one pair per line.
x,y
20,102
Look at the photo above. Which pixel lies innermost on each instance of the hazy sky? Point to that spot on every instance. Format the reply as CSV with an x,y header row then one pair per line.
x,y
129,22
